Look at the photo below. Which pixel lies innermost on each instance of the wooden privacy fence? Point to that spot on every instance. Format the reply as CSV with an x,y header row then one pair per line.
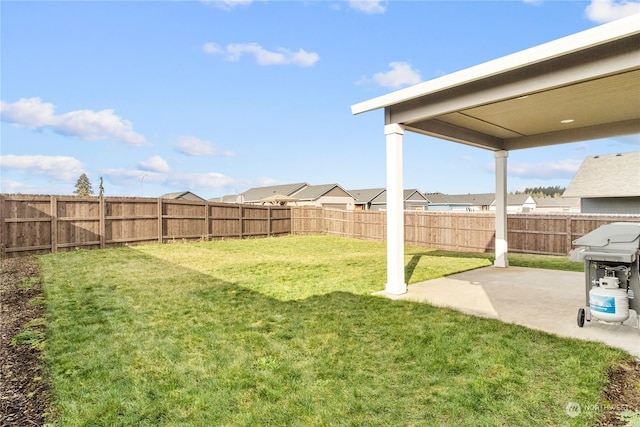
x,y
550,234
43,224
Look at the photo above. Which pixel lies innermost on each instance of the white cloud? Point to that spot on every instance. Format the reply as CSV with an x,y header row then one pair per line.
x,y
59,167
211,48
544,170
281,56
193,146
8,186
401,74
85,124
369,6
602,11
154,164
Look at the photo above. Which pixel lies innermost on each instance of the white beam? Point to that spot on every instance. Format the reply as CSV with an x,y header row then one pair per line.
x,y
501,209
450,132
395,211
585,133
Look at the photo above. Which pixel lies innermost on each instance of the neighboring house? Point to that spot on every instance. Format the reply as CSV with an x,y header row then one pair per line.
x,y
414,200
326,196
518,203
260,195
364,197
478,202
183,195
460,202
557,204
608,184
445,202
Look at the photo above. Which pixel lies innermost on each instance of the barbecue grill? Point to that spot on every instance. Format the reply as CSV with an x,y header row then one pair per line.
x,y
611,255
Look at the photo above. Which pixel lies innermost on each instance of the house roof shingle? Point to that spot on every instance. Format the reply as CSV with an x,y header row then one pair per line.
x,y
314,192
608,175
406,195
366,195
186,195
482,199
258,193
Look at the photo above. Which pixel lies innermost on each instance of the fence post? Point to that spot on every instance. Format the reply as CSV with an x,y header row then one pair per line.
x,y
206,221
292,225
160,222
103,227
269,218
569,230
54,224
241,225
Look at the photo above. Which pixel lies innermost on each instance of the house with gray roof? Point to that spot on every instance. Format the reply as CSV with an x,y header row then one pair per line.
x,y
557,204
183,195
413,199
260,195
327,196
478,202
446,202
460,202
364,197
518,203
608,183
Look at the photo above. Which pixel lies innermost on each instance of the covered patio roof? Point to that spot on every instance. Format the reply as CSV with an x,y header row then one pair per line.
x,y
581,87
526,99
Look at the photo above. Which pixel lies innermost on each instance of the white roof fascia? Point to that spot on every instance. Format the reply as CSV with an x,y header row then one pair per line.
x,y
599,35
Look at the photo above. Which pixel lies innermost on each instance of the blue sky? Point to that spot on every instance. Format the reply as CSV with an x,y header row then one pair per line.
x,y
218,97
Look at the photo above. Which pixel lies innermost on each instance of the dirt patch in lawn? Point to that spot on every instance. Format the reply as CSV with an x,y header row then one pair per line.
x,y
23,391
24,397
622,396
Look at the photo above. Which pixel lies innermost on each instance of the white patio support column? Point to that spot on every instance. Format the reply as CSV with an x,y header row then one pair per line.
x,y
501,209
395,211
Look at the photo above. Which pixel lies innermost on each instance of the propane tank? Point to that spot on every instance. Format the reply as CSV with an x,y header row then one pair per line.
x,y
608,303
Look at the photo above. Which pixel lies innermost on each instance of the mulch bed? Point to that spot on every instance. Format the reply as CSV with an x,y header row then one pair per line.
x,y
24,397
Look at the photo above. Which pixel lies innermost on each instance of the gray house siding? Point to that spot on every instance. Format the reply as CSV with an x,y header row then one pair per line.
x,y
611,205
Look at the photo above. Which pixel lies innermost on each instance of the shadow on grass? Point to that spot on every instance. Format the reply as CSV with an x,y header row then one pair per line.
x,y
411,266
184,347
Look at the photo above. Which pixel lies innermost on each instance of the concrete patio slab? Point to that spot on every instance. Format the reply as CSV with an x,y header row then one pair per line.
x,y
546,300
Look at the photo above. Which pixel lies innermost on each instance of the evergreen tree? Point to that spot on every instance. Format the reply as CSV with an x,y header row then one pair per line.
x,y
555,191
83,186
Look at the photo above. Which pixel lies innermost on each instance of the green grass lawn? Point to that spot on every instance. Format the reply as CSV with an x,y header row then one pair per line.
x,y
284,331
